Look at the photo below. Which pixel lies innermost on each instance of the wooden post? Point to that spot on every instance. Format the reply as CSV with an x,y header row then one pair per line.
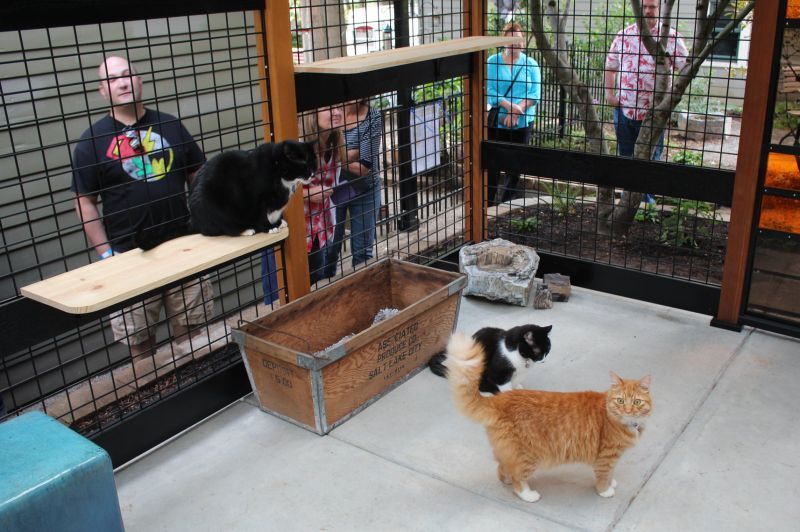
x,y
280,69
763,47
474,230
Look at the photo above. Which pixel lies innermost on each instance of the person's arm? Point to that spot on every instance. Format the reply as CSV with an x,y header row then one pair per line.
x,y
681,54
612,66
610,82
353,162
369,145
89,215
534,87
492,83
317,193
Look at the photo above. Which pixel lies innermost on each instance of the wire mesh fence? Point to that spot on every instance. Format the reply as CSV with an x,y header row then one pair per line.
x,y
597,84
195,84
407,145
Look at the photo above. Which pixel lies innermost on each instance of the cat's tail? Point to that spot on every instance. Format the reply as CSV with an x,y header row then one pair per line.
x,y
148,238
464,363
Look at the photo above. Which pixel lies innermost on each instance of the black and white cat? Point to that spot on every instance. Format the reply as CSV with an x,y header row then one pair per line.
x,y
507,352
241,192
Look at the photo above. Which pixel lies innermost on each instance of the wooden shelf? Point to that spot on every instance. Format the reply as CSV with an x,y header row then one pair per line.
x,y
402,56
102,284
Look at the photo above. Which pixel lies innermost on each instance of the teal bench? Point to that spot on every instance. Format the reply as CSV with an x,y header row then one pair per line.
x,y
54,479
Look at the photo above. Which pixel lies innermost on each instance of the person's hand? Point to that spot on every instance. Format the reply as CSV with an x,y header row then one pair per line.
x,y
509,120
612,100
318,193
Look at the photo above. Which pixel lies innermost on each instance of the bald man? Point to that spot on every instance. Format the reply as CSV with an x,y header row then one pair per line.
x,y
137,162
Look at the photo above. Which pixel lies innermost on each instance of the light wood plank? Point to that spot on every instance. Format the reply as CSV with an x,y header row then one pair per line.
x,y
403,56
101,284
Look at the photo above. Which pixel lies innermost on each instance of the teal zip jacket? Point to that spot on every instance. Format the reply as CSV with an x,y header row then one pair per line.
x,y
527,85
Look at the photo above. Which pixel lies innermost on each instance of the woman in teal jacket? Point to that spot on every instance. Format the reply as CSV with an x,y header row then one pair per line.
x,y
513,84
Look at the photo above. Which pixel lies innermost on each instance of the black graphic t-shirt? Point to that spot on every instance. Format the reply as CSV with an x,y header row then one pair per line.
x,y
140,172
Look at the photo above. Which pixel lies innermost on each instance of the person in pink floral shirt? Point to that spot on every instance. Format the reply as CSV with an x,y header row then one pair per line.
x,y
630,61
325,126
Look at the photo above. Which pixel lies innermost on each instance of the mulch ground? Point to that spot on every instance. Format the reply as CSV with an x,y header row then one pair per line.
x,y
183,377
696,252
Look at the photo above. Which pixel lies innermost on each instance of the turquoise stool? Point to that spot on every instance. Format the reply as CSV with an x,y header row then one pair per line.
x,y
53,479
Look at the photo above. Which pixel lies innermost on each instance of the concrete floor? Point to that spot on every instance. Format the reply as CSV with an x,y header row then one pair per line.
x,y
719,453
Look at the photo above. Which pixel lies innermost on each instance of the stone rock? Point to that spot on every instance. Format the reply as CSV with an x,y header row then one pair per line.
x,y
559,286
543,298
499,270
704,126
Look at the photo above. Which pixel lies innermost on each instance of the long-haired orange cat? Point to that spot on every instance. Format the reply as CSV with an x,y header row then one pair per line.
x,y
530,429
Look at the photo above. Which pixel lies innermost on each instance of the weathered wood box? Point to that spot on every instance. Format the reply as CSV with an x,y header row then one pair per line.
x,y
301,372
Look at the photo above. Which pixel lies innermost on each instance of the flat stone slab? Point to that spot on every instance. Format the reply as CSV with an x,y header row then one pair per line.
x,y
559,286
499,270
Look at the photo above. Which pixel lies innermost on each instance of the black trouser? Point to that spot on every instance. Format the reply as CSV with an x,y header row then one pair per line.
x,y
520,135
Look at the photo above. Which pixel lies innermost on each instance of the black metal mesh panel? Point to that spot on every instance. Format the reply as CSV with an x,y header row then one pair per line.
x,y
203,70
667,234
418,202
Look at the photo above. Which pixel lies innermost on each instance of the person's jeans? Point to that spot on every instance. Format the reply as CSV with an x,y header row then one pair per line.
x,y
317,261
627,132
521,135
269,276
363,219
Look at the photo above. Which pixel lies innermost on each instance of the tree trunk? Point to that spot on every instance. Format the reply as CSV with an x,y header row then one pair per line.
x,y
559,60
328,25
616,219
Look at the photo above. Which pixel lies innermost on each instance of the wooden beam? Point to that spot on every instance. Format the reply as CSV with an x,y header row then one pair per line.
x,y
266,119
100,285
356,64
763,48
280,71
474,111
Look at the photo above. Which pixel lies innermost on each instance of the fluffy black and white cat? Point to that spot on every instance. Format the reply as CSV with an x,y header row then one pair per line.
x,y
507,352
241,192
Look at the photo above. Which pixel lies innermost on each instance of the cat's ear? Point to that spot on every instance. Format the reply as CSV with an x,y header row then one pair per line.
x,y
546,329
616,380
644,384
292,153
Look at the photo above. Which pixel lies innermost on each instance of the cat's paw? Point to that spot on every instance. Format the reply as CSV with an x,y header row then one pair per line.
x,y
504,478
282,225
609,492
519,387
248,232
507,387
613,483
527,494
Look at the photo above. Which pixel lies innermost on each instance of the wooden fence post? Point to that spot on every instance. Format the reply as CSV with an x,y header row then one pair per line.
x,y
763,47
281,95
474,230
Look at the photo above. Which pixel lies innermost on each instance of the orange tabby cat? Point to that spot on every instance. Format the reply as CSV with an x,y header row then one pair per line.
x,y
531,429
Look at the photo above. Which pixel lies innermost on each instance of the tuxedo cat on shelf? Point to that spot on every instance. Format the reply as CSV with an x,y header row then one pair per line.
x,y
531,429
241,192
507,352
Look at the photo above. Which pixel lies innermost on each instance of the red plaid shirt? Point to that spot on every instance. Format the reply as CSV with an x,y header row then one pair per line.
x,y
636,67
320,212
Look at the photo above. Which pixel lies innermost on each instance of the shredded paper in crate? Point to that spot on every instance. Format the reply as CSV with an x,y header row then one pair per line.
x,y
382,315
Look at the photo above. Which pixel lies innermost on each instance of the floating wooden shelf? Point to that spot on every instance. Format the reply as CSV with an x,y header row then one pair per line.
x,y
402,56
102,284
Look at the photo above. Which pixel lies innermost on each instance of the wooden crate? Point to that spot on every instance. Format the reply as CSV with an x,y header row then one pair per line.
x,y
299,372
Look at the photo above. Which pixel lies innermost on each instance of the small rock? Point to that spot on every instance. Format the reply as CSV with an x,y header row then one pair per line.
x,y
559,285
499,270
543,298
